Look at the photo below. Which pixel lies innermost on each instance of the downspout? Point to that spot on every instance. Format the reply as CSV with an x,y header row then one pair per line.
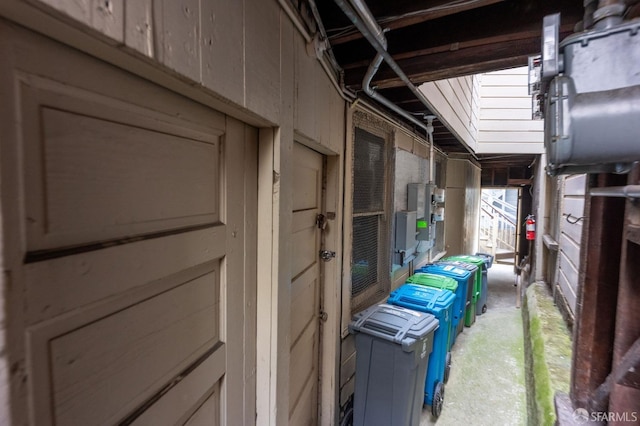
x,y
370,91
432,172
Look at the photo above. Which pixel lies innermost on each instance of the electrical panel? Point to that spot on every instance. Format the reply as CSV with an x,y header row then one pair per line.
x,y
420,199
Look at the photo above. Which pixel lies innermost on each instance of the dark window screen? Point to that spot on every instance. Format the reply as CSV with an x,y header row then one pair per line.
x,y
369,258
364,268
368,172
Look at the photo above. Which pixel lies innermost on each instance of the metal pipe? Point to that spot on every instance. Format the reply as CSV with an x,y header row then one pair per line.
x,y
608,14
366,87
369,21
432,172
375,37
629,191
589,8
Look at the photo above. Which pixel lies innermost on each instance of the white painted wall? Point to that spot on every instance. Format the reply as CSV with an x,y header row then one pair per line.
x,y
505,125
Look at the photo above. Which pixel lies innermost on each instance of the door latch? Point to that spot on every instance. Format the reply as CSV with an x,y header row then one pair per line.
x,y
327,255
321,221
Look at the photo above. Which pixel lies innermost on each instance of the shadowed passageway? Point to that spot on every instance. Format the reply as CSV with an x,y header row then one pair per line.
x,y
487,382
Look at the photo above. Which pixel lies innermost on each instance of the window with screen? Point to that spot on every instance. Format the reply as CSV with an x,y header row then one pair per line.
x,y
370,256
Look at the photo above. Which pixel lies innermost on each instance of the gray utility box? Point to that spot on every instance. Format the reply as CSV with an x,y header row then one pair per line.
x,y
405,243
592,110
393,345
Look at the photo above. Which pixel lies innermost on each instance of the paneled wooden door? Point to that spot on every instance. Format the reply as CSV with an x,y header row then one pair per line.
x,y
305,287
131,240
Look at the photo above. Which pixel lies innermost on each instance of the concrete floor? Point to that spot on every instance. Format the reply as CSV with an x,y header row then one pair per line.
x,y
487,382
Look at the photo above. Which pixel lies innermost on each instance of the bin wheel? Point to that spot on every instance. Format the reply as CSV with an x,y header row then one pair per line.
x,y
438,400
484,309
447,367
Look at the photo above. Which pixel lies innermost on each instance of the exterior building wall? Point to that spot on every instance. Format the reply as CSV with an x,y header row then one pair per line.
x,y
462,206
505,125
248,61
455,102
570,217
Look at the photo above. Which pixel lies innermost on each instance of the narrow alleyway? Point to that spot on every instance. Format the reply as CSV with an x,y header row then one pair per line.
x,y
487,382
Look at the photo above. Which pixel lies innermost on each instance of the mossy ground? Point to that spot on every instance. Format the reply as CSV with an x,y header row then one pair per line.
x,y
548,354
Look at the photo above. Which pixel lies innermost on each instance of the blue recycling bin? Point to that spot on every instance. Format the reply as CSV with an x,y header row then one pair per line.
x,y
439,303
446,283
464,274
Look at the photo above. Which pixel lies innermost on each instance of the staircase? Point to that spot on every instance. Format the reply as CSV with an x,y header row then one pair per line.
x,y
497,227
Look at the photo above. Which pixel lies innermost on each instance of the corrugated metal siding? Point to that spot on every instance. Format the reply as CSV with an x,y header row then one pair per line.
x,y
505,124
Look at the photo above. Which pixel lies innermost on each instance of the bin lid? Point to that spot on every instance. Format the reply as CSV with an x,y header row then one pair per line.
x,y
433,280
459,270
422,298
403,326
471,267
488,259
469,258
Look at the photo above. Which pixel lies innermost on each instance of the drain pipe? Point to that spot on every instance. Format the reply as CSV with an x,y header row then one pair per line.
x,y
432,172
367,25
364,21
370,91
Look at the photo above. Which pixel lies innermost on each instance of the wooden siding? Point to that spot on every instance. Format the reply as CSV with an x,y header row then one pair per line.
x,y
129,226
246,60
455,103
571,224
462,206
504,122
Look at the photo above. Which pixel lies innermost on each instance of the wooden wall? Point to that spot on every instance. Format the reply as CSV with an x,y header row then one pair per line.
x,y
246,60
462,206
455,101
505,124
571,224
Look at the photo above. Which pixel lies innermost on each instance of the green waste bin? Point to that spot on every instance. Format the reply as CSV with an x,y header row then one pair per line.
x,y
480,263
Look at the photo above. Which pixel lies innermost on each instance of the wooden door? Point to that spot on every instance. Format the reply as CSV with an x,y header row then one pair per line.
x,y
132,247
305,287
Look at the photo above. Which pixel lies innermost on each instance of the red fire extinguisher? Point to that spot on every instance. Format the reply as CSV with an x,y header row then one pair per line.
x,y
530,227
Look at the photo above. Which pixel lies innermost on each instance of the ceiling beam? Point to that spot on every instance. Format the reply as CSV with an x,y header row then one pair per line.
x,y
435,11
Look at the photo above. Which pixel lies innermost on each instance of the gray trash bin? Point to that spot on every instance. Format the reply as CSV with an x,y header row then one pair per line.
x,y
393,345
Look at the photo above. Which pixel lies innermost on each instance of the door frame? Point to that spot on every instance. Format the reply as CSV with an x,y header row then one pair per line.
x,y
274,275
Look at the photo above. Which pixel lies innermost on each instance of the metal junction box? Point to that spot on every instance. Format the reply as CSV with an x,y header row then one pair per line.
x,y
405,243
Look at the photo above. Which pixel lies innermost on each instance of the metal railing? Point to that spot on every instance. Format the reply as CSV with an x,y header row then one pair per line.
x,y
497,225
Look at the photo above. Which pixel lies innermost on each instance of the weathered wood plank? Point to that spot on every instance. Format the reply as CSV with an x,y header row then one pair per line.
x,y
60,285
182,399
128,352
